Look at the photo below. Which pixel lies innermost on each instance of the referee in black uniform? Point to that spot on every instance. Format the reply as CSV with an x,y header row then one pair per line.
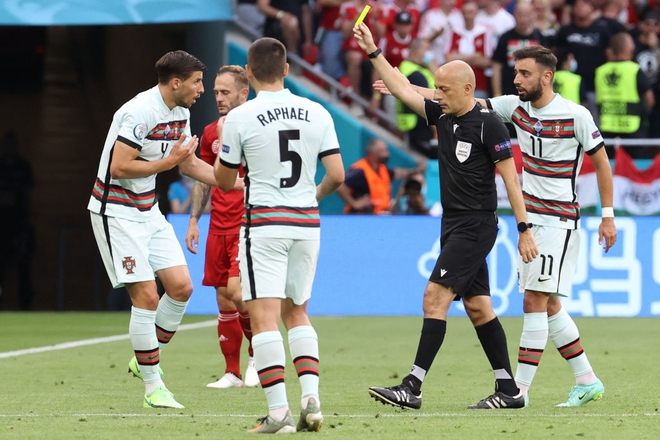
x,y
472,141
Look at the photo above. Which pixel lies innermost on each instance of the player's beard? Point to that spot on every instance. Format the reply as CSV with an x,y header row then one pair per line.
x,y
533,94
180,102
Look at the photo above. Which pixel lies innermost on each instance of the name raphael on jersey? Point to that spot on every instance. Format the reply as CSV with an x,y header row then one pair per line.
x,y
280,113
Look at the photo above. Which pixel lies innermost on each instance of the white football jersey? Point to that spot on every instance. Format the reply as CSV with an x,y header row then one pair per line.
x,y
279,137
553,140
148,125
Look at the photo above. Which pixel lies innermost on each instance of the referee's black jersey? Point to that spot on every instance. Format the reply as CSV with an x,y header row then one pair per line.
x,y
468,148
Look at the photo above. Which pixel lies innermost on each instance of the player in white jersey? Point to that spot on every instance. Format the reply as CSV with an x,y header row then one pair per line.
x,y
278,137
149,134
553,133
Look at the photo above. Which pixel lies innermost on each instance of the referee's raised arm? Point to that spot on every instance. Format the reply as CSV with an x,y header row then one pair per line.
x,y
397,83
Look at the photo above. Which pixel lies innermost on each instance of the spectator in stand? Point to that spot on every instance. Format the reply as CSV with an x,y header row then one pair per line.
x,y
395,45
617,10
358,67
623,94
587,38
418,67
523,34
367,188
247,12
545,20
330,38
566,82
647,55
647,47
395,49
436,26
563,10
387,13
411,200
474,45
289,21
613,13
494,18
425,5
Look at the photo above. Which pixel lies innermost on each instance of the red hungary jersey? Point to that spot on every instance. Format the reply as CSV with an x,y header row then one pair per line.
x,y
227,208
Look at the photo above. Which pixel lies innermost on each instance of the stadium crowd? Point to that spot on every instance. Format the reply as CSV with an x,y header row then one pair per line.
x,y
485,33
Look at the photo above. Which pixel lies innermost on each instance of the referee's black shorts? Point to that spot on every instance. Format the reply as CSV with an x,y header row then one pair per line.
x,y
466,240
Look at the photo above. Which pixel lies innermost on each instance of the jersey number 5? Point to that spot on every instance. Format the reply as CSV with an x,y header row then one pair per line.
x,y
287,155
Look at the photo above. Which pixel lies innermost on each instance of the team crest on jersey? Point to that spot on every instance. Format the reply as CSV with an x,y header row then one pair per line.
x,y
557,128
139,131
128,263
214,146
463,151
538,126
225,148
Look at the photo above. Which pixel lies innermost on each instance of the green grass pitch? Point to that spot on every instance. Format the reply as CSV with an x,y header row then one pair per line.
x,y
85,392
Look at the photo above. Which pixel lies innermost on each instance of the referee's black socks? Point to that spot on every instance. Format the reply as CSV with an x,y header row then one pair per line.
x,y
430,341
493,341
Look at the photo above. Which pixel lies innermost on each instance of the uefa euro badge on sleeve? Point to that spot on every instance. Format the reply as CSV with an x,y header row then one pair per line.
x,y
463,151
139,131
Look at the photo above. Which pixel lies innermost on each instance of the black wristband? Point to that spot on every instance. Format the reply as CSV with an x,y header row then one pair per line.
x,y
375,53
523,227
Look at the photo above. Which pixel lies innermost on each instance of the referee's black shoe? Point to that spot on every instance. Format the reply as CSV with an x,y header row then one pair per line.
x,y
399,395
499,400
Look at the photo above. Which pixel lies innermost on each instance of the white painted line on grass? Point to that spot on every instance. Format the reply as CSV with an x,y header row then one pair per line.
x,y
471,414
93,341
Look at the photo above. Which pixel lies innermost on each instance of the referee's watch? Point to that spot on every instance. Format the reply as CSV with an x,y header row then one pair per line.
x,y
522,226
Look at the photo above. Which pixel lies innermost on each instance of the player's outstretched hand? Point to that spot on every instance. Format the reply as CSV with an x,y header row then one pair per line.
x,y
607,233
181,152
364,39
380,87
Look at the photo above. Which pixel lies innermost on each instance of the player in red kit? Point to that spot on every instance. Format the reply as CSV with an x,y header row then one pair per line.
x,y
221,260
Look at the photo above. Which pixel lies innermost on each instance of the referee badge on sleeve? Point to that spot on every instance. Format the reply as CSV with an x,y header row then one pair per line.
x,y
463,151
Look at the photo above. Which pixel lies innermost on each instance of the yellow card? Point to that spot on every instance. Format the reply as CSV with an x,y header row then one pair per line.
x,y
363,14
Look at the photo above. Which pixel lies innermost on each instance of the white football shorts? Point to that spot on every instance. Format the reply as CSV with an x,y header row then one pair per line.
x,y
277,268
553,269
134,251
